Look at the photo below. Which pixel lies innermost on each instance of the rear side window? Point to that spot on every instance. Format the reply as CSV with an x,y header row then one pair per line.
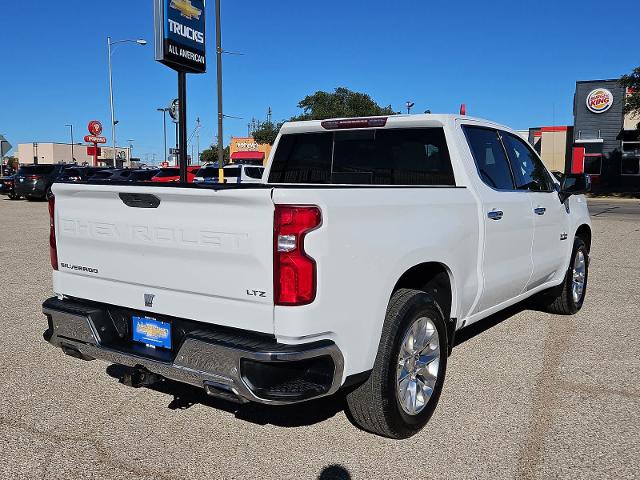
x,y
254,172
232,172
169,172
143,175
36,170
417,156
70,172
105,174
207,172
489,155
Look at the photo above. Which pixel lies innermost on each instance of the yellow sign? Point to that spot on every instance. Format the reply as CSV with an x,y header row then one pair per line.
x,y
186,9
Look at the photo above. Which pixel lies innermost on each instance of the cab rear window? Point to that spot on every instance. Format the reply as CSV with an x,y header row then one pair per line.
x,y
416,156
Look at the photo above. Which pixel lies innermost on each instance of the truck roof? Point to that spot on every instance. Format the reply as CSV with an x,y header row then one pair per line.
x,y
392,121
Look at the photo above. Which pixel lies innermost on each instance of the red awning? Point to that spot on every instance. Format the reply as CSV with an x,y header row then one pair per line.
x,y
247,155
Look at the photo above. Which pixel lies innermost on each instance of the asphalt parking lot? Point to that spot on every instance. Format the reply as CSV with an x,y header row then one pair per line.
x,y
528,395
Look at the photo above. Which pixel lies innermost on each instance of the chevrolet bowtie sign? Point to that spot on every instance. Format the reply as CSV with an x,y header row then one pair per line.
x,y
180,34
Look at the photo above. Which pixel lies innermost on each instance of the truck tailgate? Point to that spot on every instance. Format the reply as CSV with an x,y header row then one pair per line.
x,y
201,254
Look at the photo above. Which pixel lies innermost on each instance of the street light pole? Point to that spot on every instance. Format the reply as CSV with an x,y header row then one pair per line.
x,y
71,127
110,43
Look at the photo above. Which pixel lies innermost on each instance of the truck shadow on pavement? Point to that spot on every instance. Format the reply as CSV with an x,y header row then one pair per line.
x,y
308,413
297,415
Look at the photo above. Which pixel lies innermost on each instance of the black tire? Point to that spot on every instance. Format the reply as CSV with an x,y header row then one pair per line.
x,y
374,405
560,300
13,197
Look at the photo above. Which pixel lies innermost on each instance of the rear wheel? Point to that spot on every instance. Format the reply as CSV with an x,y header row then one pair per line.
x,y
400,395
13,196
569,297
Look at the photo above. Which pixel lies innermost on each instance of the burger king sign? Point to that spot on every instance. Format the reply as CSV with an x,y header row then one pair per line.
x,y
599,100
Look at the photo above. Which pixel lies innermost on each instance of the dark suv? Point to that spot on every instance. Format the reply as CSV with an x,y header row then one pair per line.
x,y
76,173
34,181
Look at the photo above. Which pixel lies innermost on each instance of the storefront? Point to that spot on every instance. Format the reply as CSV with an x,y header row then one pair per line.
x,y
246,150
606,142
50,153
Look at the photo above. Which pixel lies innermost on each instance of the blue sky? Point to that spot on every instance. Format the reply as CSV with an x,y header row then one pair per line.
x,y
513,62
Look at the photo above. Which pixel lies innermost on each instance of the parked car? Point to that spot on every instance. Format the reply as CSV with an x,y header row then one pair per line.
x,y
7,187
372,243
172,174
232,174
76,173
34,181
243,173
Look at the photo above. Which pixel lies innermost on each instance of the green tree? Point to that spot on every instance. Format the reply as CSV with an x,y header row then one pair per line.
x,y
210,155
342,103
632,82
267,133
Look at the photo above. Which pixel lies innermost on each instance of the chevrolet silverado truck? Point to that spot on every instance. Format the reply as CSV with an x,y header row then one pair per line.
x,y
369,244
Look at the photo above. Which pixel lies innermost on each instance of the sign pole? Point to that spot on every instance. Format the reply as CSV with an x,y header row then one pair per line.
x,y
219,83
182,118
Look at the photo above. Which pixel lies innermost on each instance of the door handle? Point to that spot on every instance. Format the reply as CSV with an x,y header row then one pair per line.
x,y
495,214
539,210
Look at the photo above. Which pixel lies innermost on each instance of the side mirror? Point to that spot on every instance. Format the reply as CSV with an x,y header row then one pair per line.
x,y
574,184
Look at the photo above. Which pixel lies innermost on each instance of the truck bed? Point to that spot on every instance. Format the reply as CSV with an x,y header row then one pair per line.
x,y
202,253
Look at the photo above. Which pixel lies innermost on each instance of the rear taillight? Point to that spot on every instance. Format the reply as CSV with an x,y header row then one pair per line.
x,y
32,177
53,249
294,271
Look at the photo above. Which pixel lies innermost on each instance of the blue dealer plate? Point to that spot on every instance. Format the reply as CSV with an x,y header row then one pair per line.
x,y
151,332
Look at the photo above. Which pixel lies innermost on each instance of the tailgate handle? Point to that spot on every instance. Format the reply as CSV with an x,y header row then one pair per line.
x,y
140,200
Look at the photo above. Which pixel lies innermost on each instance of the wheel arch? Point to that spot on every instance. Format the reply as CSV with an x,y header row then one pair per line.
x,y
435,278
584,232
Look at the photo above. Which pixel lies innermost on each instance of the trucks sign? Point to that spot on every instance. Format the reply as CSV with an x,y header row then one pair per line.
x,y
180,34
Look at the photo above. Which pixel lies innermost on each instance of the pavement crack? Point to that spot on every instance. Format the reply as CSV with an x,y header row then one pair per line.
x,y
545,397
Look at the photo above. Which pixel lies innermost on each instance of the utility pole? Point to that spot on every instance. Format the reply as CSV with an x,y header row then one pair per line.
x,y
71,127
219,71
198,139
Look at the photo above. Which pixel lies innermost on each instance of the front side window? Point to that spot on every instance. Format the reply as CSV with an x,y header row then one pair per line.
x,y
417,156
528,170
490,158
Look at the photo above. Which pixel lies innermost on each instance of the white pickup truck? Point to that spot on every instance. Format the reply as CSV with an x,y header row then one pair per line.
x,y
370,242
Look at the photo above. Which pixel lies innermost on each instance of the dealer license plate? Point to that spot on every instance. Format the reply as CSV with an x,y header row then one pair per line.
x,y
151,332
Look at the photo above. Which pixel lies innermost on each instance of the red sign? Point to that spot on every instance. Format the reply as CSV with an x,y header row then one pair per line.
x,y
94,139
94,151
95,128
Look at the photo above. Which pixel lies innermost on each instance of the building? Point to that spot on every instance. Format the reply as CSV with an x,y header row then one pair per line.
x,y
603,142
52,153
554,145
606,142
247,150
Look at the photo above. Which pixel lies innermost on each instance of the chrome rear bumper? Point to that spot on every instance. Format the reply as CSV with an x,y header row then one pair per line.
x,y
233,367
